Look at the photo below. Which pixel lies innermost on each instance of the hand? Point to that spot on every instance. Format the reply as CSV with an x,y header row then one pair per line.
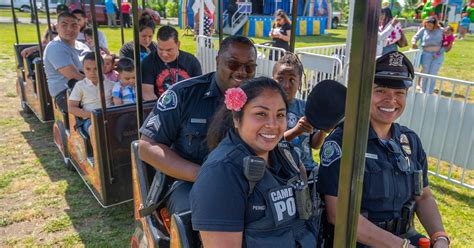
x,y
304,126
395,21
414,46
441,243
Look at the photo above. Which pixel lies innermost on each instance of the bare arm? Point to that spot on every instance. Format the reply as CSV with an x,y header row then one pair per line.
x,y
367,233
71,72
428,213
317,139
73,107
301,126
285,37
221,239
166,160
148,92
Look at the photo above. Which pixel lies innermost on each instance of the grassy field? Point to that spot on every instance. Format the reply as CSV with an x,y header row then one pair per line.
x,y
7,12
43,204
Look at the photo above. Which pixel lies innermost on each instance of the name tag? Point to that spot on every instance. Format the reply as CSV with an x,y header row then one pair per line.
x,y
282,203
197,120
371,155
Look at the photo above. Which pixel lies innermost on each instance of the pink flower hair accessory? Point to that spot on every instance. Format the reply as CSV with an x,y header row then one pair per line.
x,y
235,99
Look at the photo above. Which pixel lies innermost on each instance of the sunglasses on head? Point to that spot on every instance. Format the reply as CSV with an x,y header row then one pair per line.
x,y
403,162
235,66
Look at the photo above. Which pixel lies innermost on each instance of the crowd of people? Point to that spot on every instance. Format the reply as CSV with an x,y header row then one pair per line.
x,y
206,131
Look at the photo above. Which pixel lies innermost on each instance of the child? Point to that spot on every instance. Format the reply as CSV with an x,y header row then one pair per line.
x,y
124,90
448,40
90,41
109,64
84,97
465,22
288,72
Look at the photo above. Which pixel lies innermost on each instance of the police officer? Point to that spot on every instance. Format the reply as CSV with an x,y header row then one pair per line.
x,y
395,177
173,135
251,191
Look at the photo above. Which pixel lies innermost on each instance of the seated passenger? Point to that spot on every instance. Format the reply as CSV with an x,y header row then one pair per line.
x,y
174,133
168,65
396,186
146,29
288,72
124,90
231,210
85,96
62,58
109,65
88,36
81,16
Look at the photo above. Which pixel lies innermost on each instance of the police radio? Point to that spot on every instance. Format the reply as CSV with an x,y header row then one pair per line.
x,y
304,203
254,169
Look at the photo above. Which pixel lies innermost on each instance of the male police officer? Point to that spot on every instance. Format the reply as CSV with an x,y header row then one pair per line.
x,y
395,178
173,135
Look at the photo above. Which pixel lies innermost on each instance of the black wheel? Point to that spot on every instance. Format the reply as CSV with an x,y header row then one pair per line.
x,y
334,23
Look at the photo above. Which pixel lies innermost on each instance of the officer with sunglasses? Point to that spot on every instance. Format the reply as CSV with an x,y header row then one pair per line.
x,y
173,135
395,179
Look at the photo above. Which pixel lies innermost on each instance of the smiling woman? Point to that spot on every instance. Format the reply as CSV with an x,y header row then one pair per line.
x,y
229,207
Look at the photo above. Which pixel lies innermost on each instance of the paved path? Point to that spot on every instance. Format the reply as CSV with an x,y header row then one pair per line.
x,y
171,21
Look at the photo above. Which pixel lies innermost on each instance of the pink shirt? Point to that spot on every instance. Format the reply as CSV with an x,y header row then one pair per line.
x,y
112,76
448,40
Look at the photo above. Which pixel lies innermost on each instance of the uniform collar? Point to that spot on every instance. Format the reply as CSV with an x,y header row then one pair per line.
x,y
394,132
213,90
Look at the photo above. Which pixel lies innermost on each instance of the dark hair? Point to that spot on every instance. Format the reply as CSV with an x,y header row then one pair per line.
x,y
290,59
91,56
167,32
87,31
80,12
450,28
66,15
432,20
223,120
282,14
125,64
387,12
146,21
231,40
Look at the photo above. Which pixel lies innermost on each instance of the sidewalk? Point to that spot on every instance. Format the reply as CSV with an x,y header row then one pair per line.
x,y
167,21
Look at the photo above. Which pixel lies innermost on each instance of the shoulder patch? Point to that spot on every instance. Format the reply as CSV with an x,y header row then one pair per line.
x,y
331,152
167,101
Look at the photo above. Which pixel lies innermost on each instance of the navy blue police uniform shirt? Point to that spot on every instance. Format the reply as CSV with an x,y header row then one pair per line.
x,y
182,115
386,188
219,198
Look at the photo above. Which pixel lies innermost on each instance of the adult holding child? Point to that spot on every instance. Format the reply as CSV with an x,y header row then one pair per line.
x,y
168,65
146,29
431,41
390,31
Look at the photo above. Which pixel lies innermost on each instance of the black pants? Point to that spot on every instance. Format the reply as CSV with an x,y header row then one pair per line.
x,y
61,101
126,20
178,201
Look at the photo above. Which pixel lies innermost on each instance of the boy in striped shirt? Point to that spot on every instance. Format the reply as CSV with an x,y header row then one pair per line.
x,y
124,90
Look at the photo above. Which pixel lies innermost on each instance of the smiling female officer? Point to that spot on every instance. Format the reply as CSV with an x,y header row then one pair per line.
x,y
232,206
395,177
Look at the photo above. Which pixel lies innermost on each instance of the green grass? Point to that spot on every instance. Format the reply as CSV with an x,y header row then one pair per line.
x,y
8,13
42,204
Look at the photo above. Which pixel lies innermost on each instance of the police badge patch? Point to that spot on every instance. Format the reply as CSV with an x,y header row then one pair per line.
x,y
395,59
405,144
331,152
167,101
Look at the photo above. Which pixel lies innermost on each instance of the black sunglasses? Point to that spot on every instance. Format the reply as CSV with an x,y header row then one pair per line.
x,y
403,162
235,66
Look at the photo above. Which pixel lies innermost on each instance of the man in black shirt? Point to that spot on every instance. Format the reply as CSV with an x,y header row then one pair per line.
x,y
168,65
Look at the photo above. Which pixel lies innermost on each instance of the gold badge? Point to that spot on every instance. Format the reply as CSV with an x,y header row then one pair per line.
x,y
405,144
